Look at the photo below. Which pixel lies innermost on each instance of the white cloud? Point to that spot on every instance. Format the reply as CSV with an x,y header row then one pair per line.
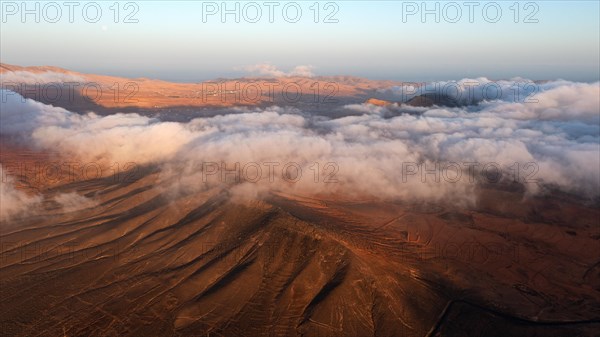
x,y
560,133
27,77
269,70
70,202
13,201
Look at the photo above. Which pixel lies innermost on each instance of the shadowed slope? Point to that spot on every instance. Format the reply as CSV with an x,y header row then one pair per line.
x,y
150,260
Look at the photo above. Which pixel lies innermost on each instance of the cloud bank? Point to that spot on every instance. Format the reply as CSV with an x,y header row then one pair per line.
x,y
363,155
28,77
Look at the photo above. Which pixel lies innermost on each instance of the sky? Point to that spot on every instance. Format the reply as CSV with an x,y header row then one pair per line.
x,y
189,40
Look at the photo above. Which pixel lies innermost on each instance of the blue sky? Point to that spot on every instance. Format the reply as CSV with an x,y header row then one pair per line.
x,y
371,39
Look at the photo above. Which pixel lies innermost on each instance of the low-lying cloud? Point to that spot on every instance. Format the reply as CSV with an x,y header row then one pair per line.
x,y
14,201
28,77
371,153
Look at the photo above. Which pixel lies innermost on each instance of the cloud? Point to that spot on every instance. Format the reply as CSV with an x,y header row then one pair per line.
x,y
364,154
269,70
476,90
302,71
115,137
27,77
70,202
13,201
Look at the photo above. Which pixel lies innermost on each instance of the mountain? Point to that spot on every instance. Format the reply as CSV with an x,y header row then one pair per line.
x,y
150,249
109,94
144,259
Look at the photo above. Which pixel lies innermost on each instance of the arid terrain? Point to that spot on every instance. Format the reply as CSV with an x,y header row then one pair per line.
x,y
140,263
143,258
109,94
